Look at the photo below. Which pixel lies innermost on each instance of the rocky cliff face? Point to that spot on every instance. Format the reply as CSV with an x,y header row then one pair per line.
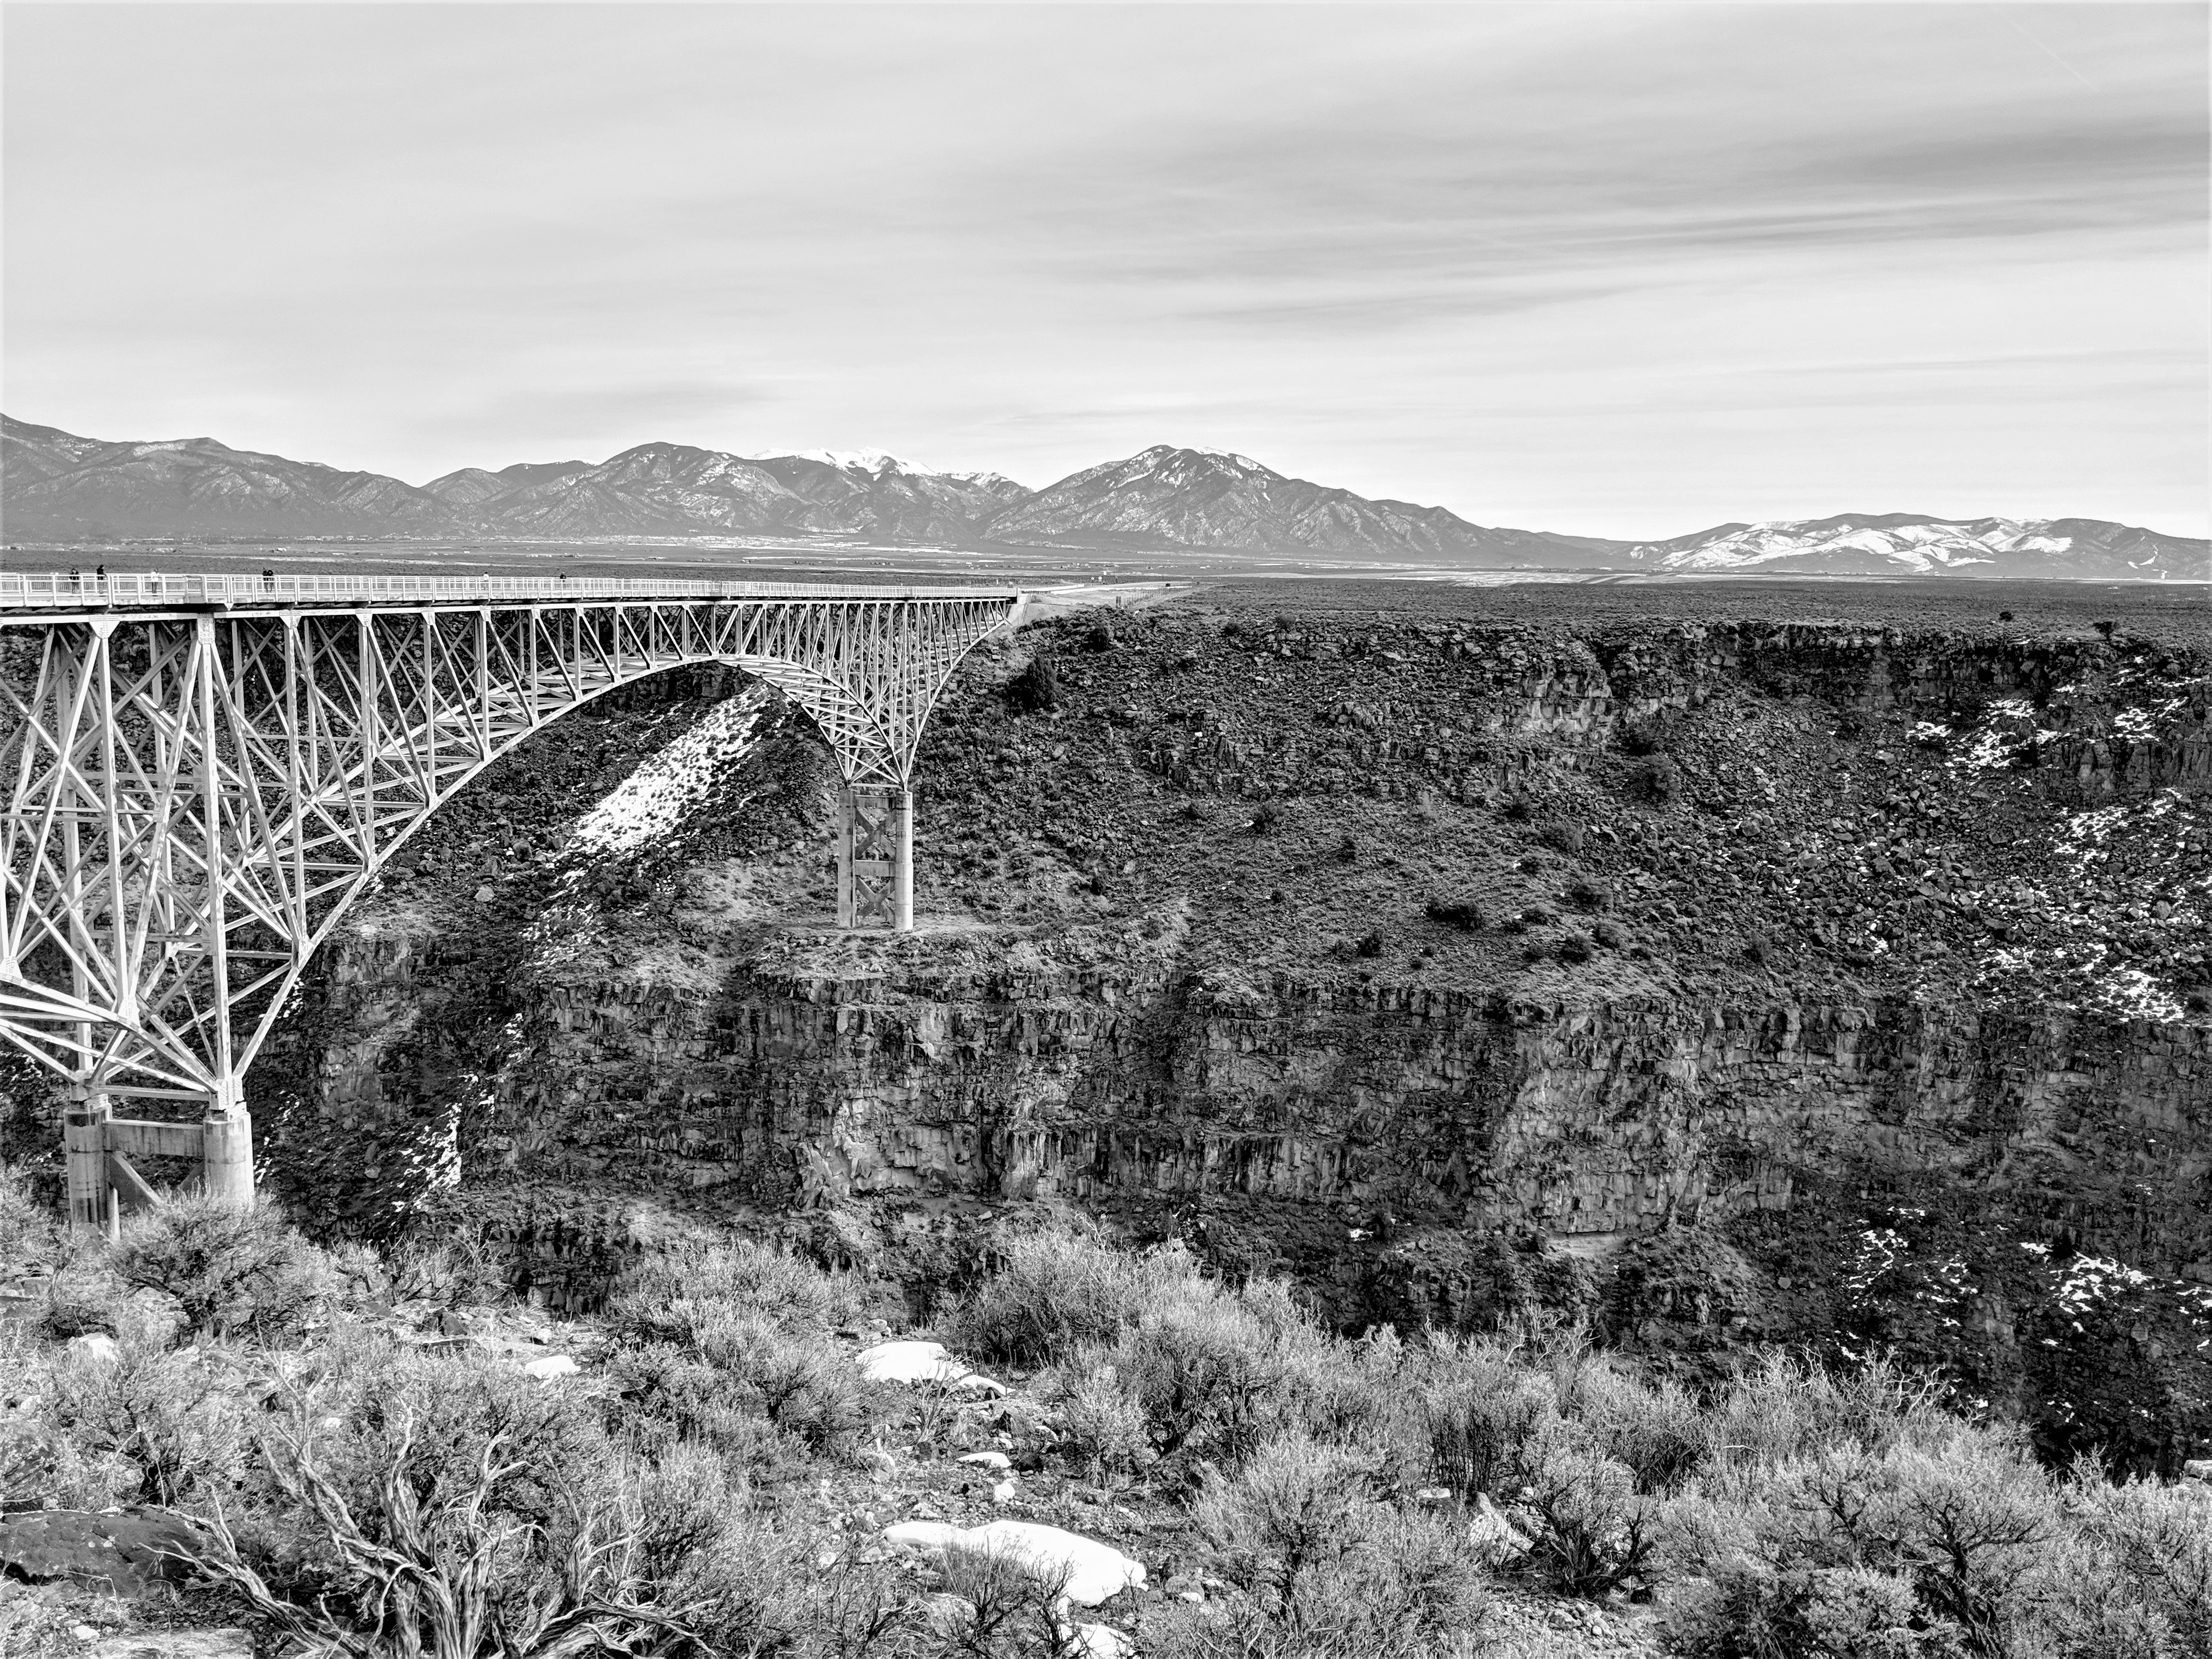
x,y
1715,982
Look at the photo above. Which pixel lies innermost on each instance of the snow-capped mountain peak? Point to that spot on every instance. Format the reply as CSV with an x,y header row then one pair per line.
x,y
864,460
1920,544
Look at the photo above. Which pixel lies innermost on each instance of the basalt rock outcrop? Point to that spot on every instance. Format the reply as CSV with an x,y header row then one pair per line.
x,y
1716,983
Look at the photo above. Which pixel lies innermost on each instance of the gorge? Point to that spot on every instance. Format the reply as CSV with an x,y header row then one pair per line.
x,y
1717,978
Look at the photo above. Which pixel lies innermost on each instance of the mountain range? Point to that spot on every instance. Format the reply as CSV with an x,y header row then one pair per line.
x,y
56,485
1891,543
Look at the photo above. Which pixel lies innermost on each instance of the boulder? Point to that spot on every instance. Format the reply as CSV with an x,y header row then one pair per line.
x,y
923,1362
1093,1570
230,1643
124,1552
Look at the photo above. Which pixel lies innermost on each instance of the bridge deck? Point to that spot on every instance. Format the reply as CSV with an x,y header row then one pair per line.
x,y
55,594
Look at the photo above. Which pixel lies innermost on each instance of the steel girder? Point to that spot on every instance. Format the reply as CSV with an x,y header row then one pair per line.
x,y
193,798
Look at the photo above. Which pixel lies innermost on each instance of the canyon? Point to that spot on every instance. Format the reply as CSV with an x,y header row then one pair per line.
x,y
1715,980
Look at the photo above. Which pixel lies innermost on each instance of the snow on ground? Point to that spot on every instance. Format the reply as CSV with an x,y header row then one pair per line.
x,y
668,786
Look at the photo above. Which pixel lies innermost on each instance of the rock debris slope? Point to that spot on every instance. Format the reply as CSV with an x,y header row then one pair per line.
x,y
1714,979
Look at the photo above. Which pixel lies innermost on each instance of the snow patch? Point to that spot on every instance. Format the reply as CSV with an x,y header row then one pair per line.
x,y
667,786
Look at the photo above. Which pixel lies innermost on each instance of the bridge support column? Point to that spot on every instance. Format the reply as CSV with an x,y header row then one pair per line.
x,y
92,1205
875,858
902,862
227,1146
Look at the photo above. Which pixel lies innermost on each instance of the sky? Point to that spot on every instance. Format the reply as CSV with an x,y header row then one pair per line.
x,y
1615,270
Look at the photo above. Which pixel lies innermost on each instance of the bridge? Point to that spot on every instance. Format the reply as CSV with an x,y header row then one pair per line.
x,y
202,771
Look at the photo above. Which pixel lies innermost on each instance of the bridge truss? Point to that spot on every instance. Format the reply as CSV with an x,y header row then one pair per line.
x,y
201,776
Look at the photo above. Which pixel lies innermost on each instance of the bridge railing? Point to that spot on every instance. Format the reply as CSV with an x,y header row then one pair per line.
x,y
61,591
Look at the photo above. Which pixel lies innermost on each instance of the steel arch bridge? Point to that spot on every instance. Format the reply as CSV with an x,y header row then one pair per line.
x,y
202,772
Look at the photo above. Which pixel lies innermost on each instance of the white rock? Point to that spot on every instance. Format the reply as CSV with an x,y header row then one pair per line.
x,y
989,1460
1003,1491
1101,1642
1094,1570
922,1362
928,1537
911,1361
553,1366
96,1345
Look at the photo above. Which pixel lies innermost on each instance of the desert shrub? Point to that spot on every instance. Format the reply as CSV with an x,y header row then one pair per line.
x,y
2157,1542
1055,1291
764,1590
41,1463
1587,895
1752,1609
1464,912
1607,934
230,1269
669,1297
1103,1430
1347,848
744,1383
416,1551
1479,1411
172,1419
1099,636
1265,817
1370,944
1209,1371
1035,689
1655,779
28,1236
1573,947
1323,1568
1538,916
1955,1538
1519,810
1561,836
1642,736
994,1605
799,1380
1780,1407
1206,1375
1296,1502
456,1271
1589,1531
1655,1429
669,1394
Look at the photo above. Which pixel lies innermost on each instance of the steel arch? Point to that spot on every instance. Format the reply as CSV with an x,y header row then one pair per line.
x,y
196,795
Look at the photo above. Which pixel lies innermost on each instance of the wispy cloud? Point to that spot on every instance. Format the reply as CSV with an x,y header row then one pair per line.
x,y
1605,267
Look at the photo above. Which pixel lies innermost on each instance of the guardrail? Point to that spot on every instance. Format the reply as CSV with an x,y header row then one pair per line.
x,y
60,591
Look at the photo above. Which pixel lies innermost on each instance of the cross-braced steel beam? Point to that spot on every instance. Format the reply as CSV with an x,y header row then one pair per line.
x,y
195,794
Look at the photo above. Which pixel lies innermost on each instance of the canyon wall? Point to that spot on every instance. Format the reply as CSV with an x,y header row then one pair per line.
x,y
1833,985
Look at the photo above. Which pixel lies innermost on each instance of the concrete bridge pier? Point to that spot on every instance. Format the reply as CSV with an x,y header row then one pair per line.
x,y
98,1149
